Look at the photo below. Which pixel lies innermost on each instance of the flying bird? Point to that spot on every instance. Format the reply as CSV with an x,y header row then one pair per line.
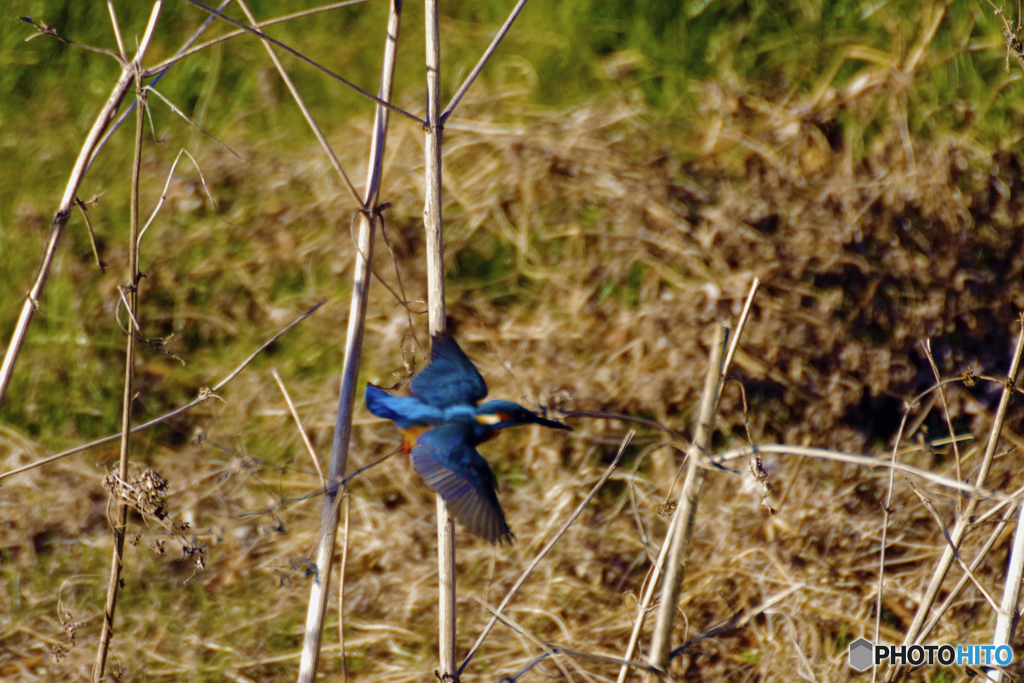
x,y
442,424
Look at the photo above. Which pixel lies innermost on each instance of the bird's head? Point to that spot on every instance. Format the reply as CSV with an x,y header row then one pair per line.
x,y
500,414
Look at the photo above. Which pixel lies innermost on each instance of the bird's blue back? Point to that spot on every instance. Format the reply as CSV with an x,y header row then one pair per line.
x,y
450,378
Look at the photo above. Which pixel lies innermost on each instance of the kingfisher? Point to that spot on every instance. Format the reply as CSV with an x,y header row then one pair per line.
x,y
443,422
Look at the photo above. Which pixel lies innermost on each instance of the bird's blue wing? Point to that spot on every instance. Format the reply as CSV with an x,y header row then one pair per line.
x,y
450,378
404,411
451,466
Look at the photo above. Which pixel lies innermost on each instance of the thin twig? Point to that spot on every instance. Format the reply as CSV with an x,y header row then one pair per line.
x,y
92,235
945,412
739,327
205,394
553,653
502,32
977,493
167,184
302,430
978,559
547,547
930,506
174,108
886,512
187,50
306,113
157,75
964,521
380,102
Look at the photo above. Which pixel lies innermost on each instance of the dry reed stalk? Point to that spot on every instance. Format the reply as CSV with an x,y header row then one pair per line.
x,y
679,541
187,49
160,70
996,534
1007,615
945,412
964,522
120,525
347,502
432,224
81,167
735,343
723,370
320,589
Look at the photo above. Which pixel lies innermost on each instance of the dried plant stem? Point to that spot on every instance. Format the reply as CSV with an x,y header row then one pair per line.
x,y
945,412
320,589
679,541
982,553
734,345
187,49
347,502
886,511
544,551
648,595
157,74
298,425
432,224
964,522
121,513
1007,616
720,459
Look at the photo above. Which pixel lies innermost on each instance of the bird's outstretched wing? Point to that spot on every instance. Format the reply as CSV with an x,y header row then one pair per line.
x,y
450,378
451,466
404,411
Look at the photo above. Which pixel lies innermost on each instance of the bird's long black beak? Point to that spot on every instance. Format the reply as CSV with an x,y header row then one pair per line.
x,y
544,422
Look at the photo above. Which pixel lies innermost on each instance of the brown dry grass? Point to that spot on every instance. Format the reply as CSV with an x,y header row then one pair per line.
x,y
589,260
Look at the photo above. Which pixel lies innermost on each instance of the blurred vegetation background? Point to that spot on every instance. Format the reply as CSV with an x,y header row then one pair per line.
x,y
561,54
614,180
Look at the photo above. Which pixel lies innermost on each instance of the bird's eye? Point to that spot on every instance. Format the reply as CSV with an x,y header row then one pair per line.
x,y
488,419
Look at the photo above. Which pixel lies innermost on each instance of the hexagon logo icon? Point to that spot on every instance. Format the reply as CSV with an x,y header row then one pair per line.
x,y
862,654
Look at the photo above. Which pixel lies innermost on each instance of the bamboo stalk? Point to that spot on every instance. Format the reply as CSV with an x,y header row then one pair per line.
x,y
319,593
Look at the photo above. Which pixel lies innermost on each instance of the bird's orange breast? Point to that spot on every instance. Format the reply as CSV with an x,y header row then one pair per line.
x,y
411,434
